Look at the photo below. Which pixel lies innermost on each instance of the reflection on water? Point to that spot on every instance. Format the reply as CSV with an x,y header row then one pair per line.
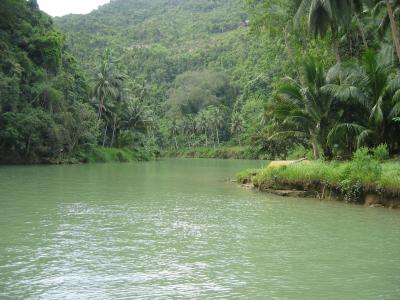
x,y
177,229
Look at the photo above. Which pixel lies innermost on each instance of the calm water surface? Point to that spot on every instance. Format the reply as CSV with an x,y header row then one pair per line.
x,y
176,229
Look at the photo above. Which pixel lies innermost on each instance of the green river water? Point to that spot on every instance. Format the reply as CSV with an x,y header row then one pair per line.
x,y
176,229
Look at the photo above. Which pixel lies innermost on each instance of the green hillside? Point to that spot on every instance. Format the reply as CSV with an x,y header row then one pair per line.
x,y
133,23
157,42
160,39
266,78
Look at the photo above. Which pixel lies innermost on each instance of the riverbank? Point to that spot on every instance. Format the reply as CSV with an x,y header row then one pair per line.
x,y
222,152
371,183
105,155
91,155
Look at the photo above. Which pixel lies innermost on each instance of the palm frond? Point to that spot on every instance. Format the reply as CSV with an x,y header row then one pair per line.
x,y
287,133
376,112
395,112
362,137
301,11
340,129
394,84
320,17
334,73
385,56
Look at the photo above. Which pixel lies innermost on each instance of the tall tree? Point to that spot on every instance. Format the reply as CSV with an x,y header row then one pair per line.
x,y
329,14
107,84
303,108
389,20
376,87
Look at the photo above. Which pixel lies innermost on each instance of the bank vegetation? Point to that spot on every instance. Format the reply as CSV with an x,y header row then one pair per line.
x,y
369,178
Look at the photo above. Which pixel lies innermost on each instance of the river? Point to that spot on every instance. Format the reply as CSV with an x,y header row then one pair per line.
x,y
177,229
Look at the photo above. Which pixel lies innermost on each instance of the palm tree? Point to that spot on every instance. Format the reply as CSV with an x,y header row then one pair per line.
x,y
329,14
392,10
376,88
137,115
302,108
174,128
202,124
237,125
189,128
107,84
216,120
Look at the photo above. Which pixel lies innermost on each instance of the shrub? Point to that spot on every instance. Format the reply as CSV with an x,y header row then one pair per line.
x,y
122,156
363,167
300,152
381,152
102,155
246,176
351,191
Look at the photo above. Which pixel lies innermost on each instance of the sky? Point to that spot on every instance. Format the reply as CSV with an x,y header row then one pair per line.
x,y
63,7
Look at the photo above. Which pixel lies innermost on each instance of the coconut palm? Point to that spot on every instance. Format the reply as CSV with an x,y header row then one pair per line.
x,y
329,14
391,12
303,109
107,84
376,88
216,120
137,115
202,123
237,125
174,128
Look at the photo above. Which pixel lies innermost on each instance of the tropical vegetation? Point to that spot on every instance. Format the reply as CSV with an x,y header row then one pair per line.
x,y
179,77
368,174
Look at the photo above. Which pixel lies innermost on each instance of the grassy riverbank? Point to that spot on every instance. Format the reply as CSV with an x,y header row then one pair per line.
x,y
222,152
360,180
90,155
104,155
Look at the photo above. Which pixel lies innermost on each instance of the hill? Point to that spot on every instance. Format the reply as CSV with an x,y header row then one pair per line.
x,y
161,44
160,36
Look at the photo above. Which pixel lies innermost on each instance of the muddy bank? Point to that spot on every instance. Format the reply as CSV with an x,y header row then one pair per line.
x,y
368,199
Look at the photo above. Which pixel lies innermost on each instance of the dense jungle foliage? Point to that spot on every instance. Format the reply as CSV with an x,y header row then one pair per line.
x,y
276,77
44,113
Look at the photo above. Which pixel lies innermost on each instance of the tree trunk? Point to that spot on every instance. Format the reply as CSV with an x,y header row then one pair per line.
x,y
28,147
314,144
315,150
105,135
335,45
176,143
362,33
394,29
100,107
216,130
328,153
113,131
